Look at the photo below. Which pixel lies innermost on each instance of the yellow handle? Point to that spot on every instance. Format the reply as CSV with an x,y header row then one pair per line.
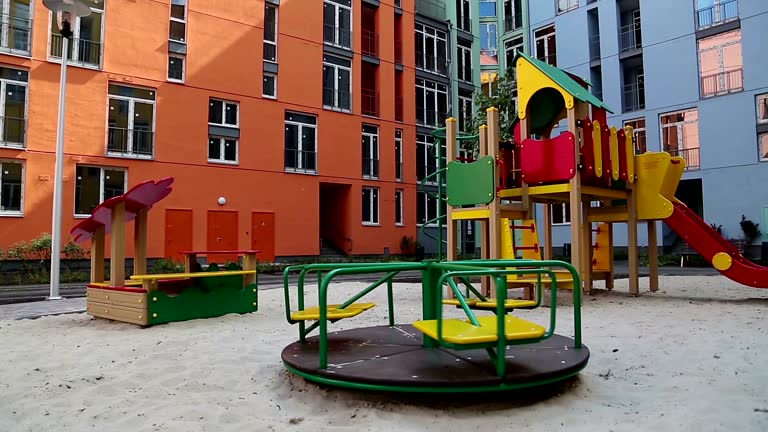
x,y
614,154
630,153
598,150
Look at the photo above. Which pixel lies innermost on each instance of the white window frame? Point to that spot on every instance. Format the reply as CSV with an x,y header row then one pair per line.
x,y
183,59
566,214
5,5
516,48
337,39
399,199
129,154
373,149
435,95
491,40
462,52
425,196
336,89
495,5
399,155
762,98
103,170
273,75
460,17
183,21
425,32
463,102
277,23
3,94
76,40
760,148
224,112
563,6
222,143
374,216
13,213
720,49
635,131
680,127
428,149
545,40
300,145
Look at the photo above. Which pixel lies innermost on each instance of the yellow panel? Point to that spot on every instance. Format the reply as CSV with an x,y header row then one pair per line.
x,y
530,80
536,190
598,148
531,238
722,261
455,302
652,171
602,249
508,304
128,299
117,313
614,143
630,146
313,313
610,214
514,327
192,275
457,332
672,178
108,284
507,242
604,192
470,214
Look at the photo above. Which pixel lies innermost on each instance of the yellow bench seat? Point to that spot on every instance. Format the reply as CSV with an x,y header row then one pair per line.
x,y
491,303
460,332
334,313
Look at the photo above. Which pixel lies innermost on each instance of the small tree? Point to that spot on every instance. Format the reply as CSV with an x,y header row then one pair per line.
x,y
750,229
504,98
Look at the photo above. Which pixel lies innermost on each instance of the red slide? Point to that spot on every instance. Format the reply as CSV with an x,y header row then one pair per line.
x,y
709,243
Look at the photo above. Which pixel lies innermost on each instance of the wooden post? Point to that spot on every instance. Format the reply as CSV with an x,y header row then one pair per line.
x,y
494,222
190,260
485,281
526,200
140,242
609,279
117,260
98,243
634,274
653,257
450,154
586,229
249,263
547,231
575,206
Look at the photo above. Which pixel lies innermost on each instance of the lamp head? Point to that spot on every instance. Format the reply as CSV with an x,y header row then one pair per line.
x,y
66,11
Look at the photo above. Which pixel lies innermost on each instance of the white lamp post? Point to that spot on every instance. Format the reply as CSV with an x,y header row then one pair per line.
x,y
66,11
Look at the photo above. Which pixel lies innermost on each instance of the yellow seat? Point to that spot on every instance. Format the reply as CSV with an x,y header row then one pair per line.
x,y
456,331
514,328
508,304
334,313
455,302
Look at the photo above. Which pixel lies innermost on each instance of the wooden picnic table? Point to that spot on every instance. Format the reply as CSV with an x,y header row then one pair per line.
x,y
249,260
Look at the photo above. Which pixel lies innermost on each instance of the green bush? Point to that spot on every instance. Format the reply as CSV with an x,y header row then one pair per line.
x,y
164,266
750,229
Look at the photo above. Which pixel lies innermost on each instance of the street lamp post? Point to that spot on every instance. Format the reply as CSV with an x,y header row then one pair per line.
x,y
66,11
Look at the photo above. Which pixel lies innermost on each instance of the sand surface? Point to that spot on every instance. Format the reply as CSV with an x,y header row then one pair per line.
x,y
692,357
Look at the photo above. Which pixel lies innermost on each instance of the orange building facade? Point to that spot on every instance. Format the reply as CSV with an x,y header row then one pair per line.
x,y
257,108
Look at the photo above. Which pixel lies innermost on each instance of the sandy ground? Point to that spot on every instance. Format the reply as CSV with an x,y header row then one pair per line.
x,y
691,357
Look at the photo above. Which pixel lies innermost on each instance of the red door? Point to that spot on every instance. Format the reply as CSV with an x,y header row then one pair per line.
x,y
263,235
178,233
222,235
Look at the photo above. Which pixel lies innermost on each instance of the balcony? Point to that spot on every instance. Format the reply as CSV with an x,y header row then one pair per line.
x,y
14,131
513,22
594,48
431,63
566,5
430,118
722,83
634,97
337,99
81,51
431,8
691,156
726,10
370,103
399,108
15,34
631,39
370,42
130,142
398,52
337,36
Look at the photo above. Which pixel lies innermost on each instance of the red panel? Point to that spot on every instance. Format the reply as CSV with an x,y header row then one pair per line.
x,y
599,114
548,161
222,234
587,148
263,235
178,233
622,138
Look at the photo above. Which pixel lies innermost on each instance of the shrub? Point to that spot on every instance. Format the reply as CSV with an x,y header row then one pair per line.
x,y
717,228
408,245
163,266
750,229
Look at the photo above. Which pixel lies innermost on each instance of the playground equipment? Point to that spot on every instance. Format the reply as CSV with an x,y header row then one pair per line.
x,y
149,299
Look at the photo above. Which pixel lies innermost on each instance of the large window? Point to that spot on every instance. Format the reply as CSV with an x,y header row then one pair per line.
x,y
300,142
426,209
431,103
431,49
513,15
94,185
398,155
223,122
370,206
13,103
270,33
680,136
714,12
487,8
85,48
11,187
511,48
489,39
370,151
763,142
176,67
337,22
16,20
638,134
566,5
426,159
561,214
464,14
337,83
720,64
464,59
399,219
269,86
465,111
762,108
546,49
178,28
131,121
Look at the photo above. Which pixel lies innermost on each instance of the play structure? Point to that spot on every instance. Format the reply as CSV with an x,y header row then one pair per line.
x,y
149,299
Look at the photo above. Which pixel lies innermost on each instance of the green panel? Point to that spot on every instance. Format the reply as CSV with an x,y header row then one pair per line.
x,y
470,183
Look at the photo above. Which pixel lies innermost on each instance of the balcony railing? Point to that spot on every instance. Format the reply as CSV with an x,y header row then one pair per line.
x,y
691,156
399,108
634,97
722,83
337,99
370,43
431,63
594,47
566,5
80,50
398,52
337,36
130,142
431,118
370,103
726,10
14,131
513,22
631,38
431,8
15,33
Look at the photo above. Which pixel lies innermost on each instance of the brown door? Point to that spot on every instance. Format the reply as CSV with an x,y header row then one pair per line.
x,y
263,235
178,233
222,235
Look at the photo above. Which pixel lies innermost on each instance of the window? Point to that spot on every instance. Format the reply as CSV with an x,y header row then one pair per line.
x,y
487,8
488,39
431,103
86,44
763,140
431,49
223,147
94,185
426,159
720,64
566,5
513,15
398,155
370,206
300,142
762,108
269,89
337,23
464,58
337,83
714,12
399,220
131,121
13,106
545,45
178,30
176,67
638,134
680,135
511,48
464,15
223,113
11,187
370,151
465,111
634,88
561,214
16,26
270,33
426,209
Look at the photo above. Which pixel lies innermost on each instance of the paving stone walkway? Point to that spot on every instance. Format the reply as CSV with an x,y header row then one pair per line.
x,y
37,309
